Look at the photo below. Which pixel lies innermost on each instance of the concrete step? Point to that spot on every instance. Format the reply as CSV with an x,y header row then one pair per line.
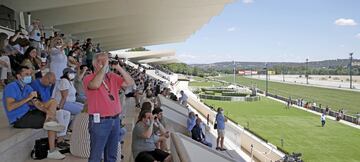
x,y
16,144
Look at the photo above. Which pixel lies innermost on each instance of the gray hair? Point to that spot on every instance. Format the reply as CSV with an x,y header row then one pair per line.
x,y
97,55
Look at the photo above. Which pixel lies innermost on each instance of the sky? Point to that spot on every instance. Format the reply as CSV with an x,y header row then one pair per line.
x,y
275,31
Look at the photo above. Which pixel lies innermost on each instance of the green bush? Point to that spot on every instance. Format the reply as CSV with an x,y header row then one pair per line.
x,y
209,92
234,94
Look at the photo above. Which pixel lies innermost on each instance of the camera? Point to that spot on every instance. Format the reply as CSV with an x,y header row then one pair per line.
x,y
114,62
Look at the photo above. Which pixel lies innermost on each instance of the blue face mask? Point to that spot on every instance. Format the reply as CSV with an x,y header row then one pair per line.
x,y
27,80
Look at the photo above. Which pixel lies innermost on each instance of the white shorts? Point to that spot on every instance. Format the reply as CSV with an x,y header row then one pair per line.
x,y
221,132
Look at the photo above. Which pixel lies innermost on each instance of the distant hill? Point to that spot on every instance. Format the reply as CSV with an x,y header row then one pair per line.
x,y
260,65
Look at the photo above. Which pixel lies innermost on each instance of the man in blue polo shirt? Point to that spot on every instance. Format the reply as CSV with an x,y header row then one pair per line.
x,y
17,98
44,88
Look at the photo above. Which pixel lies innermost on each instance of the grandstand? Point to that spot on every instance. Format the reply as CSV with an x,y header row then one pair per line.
x,y
120,24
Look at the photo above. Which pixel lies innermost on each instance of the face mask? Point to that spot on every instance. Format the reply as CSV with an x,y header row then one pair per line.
x,y
107,70
74,55
222,111
27,79
148,123
71,76
58,46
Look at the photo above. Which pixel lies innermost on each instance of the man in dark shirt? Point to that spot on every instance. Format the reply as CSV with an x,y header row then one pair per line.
x,y
198,135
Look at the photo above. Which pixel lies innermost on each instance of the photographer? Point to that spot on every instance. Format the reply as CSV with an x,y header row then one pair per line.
x,y
35,35
102,92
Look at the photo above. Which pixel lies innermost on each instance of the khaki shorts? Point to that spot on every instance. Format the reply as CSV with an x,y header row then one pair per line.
x,y
221,132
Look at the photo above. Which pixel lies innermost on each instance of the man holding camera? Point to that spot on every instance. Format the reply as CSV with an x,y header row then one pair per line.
x,y
24,110
35,35
102,92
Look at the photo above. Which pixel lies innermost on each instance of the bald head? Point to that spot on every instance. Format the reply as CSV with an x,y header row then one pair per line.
x,y
48,79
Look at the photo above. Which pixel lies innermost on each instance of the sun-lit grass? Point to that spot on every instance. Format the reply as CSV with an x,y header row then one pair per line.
x,y
301,131
335,99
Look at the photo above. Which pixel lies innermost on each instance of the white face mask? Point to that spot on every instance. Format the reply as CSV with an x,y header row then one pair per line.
x,y
222,111
71,76
58,46
148,123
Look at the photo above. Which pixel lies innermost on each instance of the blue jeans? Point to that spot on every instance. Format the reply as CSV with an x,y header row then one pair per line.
x,y
74,107
122,134
104,138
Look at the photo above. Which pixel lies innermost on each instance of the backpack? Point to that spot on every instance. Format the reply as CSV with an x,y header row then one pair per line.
x,y
40,149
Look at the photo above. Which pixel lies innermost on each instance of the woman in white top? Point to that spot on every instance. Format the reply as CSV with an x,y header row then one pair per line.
x,y
58,59
65,92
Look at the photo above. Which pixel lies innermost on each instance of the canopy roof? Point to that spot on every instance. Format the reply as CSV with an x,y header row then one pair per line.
x,y
119,24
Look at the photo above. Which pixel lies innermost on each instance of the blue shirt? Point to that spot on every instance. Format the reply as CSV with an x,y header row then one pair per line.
x,y
191,123
220,120
15,91
45,92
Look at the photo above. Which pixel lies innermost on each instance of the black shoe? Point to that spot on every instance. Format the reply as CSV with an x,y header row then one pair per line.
x,y
63,145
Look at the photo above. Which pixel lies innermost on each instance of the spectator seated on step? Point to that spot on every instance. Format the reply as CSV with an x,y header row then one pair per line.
x,y
198,135
65,92
144,140
17,100
43,87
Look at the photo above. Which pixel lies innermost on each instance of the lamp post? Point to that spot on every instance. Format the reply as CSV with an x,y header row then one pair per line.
x,y
306,74
234,72
267,79
282,71
350,69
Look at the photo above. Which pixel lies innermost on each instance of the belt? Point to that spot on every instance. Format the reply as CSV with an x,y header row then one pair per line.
x,y
106,117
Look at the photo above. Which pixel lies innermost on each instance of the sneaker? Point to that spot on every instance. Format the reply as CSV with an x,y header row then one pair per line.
x,y
55,155
222,149
53,126
63,145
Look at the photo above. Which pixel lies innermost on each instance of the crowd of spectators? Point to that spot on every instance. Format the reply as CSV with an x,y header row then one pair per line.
x,y
46,84
42,80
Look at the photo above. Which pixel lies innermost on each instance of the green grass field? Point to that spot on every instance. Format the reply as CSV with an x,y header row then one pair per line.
x,y
335,99
301,131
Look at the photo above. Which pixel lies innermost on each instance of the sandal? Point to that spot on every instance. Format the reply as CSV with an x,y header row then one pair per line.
x,y
218,148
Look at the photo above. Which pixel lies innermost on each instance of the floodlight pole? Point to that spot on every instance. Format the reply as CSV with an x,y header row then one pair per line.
x,y
267,79
350,69
282,71
234,72
306,74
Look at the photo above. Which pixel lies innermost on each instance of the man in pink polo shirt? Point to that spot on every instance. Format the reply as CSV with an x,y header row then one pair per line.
x,y
102,92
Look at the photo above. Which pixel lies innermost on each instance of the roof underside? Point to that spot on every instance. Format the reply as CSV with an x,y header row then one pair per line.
x,y
145,57
119,24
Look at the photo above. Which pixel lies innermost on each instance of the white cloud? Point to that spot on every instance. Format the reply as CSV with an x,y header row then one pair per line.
x,y
248,1
358,35
187,56
345,22
231,29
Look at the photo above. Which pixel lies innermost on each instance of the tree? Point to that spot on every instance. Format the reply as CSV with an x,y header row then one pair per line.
x,y
137,49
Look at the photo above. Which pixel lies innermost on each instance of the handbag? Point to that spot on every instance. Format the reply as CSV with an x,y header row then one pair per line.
x,y
40,150
215,126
